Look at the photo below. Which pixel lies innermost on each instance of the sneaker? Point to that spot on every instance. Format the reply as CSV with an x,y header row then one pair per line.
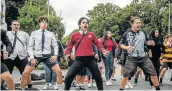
x,y
55,86
94,84
153,89
46,86
108,83
113,79
160,84
82,87
135,83
126,86
129,84
89,85
74,84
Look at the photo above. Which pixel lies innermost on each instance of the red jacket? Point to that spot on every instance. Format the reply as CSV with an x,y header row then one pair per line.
x,y
85,48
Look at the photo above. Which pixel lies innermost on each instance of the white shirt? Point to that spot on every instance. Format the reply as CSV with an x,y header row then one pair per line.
x,y
19,49
35,43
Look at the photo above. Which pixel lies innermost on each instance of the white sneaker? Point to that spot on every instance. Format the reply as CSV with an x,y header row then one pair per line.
x,y
108,83
46,86
126,86
153,89
89,85
55,86
94,84
129,84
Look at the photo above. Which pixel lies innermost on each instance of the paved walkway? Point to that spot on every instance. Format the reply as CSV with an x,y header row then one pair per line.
x,y
142,85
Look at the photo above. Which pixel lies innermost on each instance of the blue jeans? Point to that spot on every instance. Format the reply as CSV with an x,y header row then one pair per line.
x,y
50,76
108,62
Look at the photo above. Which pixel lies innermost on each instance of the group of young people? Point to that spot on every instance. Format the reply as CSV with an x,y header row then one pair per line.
x,y
137,51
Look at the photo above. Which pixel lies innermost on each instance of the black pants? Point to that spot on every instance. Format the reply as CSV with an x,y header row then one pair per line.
x,y
79,63
156,64
20,64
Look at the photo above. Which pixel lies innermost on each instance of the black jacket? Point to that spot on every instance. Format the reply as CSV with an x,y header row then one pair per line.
x,y
6,42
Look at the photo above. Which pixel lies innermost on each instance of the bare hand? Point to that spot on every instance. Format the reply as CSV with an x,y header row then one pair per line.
x,y
161,62
5,55
150,43
96,56
67,57
130,48
105,53
72,56
33,62
115,59
53,59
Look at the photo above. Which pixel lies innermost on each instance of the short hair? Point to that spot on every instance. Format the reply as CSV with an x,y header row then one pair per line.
x,y
14,21
82,18
42,18
132,20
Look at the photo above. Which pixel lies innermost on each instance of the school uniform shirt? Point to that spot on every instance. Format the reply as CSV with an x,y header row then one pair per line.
x,y
85,48
35,43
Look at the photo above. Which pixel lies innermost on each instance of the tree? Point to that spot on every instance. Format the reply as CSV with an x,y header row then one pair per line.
x,y
67,38
101,18
12,10
28,20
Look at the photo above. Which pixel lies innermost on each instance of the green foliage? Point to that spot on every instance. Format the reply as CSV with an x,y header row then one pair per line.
x,y
28,11
154,15
66,39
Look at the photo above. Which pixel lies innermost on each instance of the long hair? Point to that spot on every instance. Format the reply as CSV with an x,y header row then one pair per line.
x,y
106,35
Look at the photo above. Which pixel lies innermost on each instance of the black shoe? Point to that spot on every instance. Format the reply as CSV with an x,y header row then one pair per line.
x,y
18,88
135,83
82,88
3,88
73,84
146,78
114,79
171,78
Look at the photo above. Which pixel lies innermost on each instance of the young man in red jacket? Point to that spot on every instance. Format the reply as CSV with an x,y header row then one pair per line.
x,y
83,41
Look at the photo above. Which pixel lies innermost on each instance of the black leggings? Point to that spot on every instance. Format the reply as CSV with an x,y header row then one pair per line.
x,y
79,64
156,64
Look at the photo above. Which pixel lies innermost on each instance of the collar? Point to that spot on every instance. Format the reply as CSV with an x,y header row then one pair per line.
x,y
14,31
40,30
81,32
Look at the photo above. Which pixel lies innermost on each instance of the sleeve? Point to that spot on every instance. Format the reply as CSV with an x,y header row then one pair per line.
x,y
55,45
95,49
70,46
118,52
123,39
27,41
6,41
31,45
97,43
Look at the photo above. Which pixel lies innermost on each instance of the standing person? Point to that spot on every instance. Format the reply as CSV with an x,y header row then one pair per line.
x,y
19,54
109,44
5,74
50,77
84,58
167,56
156,52
134,42
164,66
40,51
